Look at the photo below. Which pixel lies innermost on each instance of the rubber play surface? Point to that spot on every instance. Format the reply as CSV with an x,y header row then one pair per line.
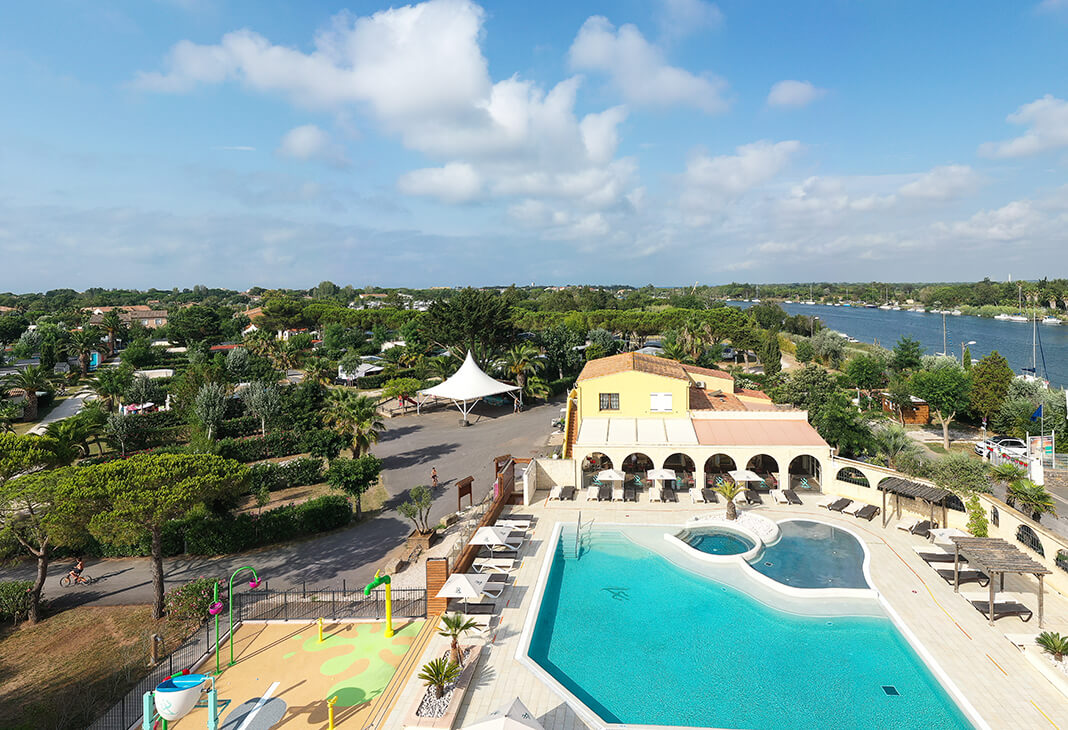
x,y
283,676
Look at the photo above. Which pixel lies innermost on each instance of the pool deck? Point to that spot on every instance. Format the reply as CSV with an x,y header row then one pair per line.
x,y
996,677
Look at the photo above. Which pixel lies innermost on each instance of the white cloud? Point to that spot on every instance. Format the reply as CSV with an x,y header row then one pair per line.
x,y
1047,122
456,182
599,133
794,94
1052,5
751,165
308,142
679,18
1012,222
638,68
941,183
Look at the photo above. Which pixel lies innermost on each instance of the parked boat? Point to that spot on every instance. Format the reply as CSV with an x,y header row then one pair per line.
x,y
1051,320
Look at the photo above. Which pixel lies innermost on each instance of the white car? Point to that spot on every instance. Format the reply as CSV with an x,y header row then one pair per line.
x,y
1007,444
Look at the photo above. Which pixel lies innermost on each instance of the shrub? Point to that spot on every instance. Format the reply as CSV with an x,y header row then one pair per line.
x,y
1053,643
279,443
14,599
240,426
192,600
978,524
214,535
322,442
296,473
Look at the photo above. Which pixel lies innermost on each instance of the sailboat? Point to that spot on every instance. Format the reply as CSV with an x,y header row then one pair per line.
x,y
1051,320
1031,374
945,349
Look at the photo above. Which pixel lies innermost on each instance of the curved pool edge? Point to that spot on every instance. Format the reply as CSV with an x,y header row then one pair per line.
x,y
758,544
595,721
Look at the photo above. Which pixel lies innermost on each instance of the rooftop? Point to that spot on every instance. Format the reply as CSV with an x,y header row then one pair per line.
x,y
637,362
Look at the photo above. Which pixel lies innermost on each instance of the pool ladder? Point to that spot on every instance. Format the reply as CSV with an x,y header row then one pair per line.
x,y
574,549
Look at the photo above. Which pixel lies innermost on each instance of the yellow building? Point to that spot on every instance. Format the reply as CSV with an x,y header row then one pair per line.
x,y
636,412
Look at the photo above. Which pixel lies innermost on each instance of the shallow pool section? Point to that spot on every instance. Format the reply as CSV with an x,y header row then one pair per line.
x,y
640,640
813,555
716,541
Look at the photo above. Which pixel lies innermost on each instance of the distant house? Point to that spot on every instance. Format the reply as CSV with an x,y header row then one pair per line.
x,y
140,313
917,413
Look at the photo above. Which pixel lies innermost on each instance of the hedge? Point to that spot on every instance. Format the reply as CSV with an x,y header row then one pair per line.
x,y
238,427
380,379
257,448
14,599
296,473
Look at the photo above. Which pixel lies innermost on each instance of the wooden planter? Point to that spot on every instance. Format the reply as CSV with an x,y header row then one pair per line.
x,y
420,540
446,721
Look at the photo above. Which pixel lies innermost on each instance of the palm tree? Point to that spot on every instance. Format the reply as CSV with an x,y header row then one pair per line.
x,y
112,324
110,384
31,380
729,489
675,351
455,626
71,438
438,673
522,360
1053,643
442,366
356,418
1033,498
319,370
1007,472
82,344
892,441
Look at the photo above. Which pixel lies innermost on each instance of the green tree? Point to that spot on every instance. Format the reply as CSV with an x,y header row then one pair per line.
x,y
27,507
561,344
978,525
210,407
319,370
729,490
113,326
110,384
119,428
806,353
991,378
355,417
144,390
1032,498
324,443
11,328
82,344
961,474
829,347
264,401
70,438
454,626
841,425
899,393
198,323
9,413
354,477
129,497
401,388
439,672
907,355
31,380
473,320
770,354
417,508
521,361
806,388
865,372
892,441
946,392
966,359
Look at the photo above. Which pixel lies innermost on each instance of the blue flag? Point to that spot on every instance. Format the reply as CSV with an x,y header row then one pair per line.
x,y
1037,414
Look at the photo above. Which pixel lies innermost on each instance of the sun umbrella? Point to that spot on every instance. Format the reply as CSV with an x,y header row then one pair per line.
x,y
494,536
513,716
744,475
664,474
611,475
465,586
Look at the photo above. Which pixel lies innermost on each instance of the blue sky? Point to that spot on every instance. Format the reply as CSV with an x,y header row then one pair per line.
x,y
175,142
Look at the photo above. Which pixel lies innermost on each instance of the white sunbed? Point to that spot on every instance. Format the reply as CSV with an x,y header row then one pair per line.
x,y
617,493
494,590
930,549
908,523
654,494
494,565
827,501
696,495
779,496
853,507
592,492
554,493
514,525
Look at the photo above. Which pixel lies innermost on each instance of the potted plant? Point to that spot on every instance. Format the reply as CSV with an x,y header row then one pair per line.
x,y
439,672
455,626
1053,644
417,509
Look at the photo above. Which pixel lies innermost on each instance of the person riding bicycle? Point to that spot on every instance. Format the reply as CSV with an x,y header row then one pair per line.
x,y
75,573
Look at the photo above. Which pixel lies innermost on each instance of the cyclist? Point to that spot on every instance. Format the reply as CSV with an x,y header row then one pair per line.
x,y
75,573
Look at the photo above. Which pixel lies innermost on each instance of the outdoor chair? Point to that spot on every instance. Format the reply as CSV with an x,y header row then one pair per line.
x,y
567,494
669,495
605,493
514,524
791,496
1004,609
498,552
852,508
593,491
555,492
752,497
965,576
654,495
908,523
480,608
780,498
630,494
697,495
494,565
617,493
928,556
867,512
710,495
839,504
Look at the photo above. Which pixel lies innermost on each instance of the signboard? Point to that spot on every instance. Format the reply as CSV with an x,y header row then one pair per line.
x,y
463,489
1040,446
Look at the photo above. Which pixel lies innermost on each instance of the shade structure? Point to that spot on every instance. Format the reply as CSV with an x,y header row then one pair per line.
x,y
664,474
466,387
491,535
513,716
611,475
464,585
744,475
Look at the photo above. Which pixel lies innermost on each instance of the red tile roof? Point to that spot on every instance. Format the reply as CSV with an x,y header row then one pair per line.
x,y
756,432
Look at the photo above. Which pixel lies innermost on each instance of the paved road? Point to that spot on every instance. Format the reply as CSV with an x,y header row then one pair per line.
x,y
66,408
409,448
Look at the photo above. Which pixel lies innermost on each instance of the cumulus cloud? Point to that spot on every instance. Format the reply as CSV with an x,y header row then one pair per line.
x,y
1047,122
456,182
308,142
941,183
638,68
794,94
679,18
751,165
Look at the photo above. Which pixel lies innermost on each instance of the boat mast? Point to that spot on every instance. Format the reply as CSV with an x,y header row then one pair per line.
x,y
944,350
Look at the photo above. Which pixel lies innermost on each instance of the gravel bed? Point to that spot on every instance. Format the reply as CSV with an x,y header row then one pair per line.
x,y
432,706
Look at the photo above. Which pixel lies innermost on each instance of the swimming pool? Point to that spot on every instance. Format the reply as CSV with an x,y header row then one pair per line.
x,y
640,639
716,541
813,554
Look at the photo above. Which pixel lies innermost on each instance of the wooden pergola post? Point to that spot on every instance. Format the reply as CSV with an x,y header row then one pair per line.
x,y
991,584
886,517
1041,595
956,568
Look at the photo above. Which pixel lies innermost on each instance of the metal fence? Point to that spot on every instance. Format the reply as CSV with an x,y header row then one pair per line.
x,y
261,605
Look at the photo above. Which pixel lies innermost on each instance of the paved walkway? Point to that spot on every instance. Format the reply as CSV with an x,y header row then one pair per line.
x,y
409,448
66,408
995,676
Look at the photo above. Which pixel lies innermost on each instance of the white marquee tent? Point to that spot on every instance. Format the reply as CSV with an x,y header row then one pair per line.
x,y
466,387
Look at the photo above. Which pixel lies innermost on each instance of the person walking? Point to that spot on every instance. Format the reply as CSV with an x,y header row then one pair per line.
x,y
434,476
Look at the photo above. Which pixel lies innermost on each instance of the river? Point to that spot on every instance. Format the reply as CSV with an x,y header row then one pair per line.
x,y
1011,339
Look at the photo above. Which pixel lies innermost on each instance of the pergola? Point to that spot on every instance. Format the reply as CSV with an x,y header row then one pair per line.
x,y
903,487
995,557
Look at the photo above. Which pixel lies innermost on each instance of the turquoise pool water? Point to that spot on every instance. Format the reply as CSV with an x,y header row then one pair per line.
x,y
716,542
813,555
640,640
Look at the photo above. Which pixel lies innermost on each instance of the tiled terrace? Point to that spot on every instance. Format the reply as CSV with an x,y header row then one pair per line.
x,y
990,671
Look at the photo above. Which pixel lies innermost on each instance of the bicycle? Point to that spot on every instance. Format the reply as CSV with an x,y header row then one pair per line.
x,y
83,579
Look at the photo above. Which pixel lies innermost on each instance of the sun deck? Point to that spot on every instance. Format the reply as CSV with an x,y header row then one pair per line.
x,y
992,674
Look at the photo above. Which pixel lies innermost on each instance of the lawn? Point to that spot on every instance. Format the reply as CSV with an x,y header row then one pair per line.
x,y
23,427
71,667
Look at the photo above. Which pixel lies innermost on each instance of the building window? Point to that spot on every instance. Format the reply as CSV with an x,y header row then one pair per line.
x,y
1028,537
609,401
994,516
660,402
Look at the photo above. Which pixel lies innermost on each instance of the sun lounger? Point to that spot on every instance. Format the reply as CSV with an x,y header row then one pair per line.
x,y
617,493
498,551
791,496
966,576
479,608
567,494
592,492
697,496
630,494
867,512
514,524
1003,609
852,508
654,495
669,495
494,565
780,498
827,501
498,579
605,493
554,493
934,554
710,495
752,496
907,524
839,505
922,528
